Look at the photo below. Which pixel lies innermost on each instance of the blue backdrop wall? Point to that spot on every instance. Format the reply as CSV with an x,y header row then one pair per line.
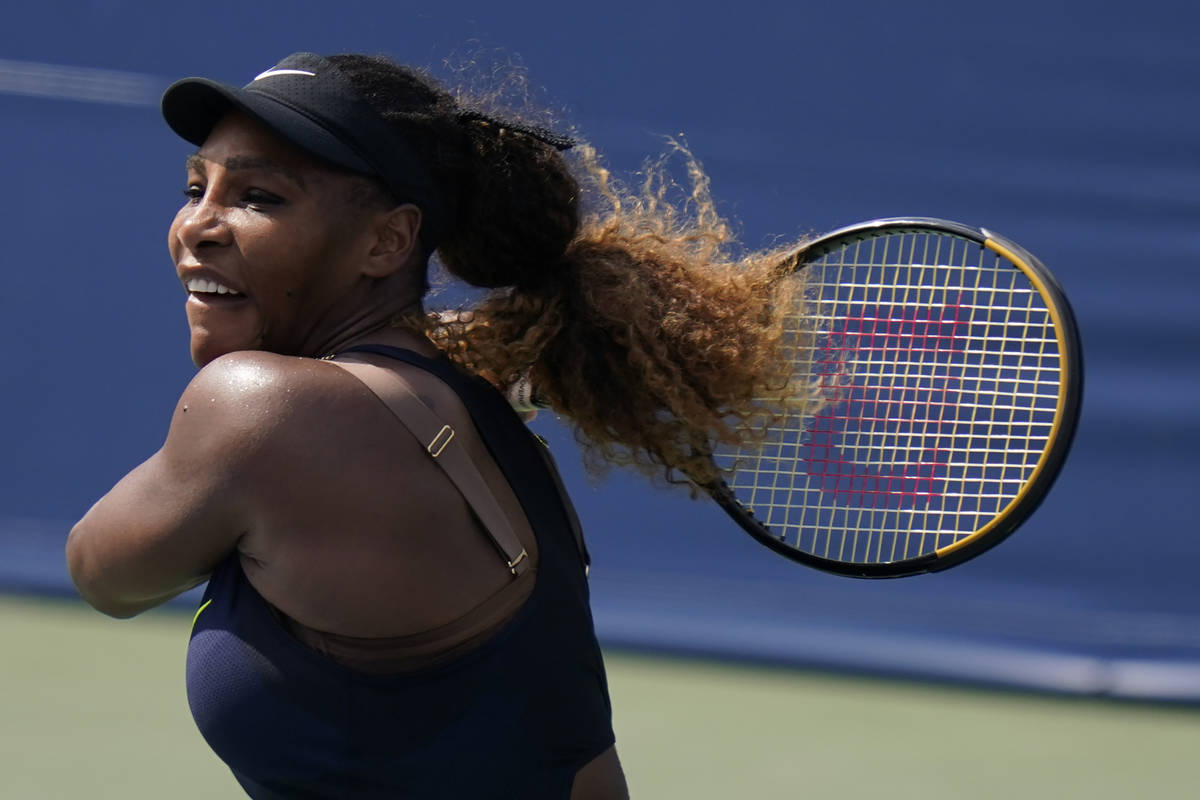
x,y
1071,128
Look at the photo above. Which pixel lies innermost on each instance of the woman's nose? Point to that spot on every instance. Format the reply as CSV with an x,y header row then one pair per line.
x,y
202,223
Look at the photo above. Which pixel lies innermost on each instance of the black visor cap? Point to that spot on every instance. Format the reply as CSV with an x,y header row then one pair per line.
x,y
194,106
309,102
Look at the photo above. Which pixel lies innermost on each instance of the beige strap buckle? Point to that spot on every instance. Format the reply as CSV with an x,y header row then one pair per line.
x,y
512,565
440,441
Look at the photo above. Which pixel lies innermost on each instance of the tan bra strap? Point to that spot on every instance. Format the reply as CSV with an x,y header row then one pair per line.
x,y
440,443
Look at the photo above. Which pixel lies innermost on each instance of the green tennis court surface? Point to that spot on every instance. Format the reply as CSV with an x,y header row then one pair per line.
x,y
93,708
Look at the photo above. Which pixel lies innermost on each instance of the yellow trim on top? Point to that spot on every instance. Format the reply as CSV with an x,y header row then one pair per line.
x,y
201,608
1063,385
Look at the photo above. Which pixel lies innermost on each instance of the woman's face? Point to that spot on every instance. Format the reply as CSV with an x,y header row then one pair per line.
x,y
266,244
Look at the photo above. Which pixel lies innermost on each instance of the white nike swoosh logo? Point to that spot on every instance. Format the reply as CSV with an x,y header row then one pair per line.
x,y
272,72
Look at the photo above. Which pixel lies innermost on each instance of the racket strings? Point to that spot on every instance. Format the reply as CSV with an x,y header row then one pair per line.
x,y
935,366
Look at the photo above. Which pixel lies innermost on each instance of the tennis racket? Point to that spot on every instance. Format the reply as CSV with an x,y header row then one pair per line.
x,y
946,372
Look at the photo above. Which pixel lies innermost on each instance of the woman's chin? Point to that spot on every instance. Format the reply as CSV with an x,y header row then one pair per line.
x,y
206,347
221,325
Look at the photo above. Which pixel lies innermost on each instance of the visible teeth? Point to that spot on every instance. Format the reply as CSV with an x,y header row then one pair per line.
x,y
202,286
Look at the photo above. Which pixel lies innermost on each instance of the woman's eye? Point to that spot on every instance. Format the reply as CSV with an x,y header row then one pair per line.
x,y
258,197
193,192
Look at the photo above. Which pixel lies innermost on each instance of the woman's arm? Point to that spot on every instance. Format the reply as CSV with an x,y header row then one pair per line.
x,y
167,524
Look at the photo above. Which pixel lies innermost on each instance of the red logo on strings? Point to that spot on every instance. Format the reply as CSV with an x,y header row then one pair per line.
x,y
887,386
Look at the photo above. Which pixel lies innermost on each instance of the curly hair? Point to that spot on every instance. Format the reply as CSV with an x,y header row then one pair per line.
x,y
632,318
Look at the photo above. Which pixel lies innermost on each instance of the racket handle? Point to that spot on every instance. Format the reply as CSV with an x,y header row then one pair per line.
x,y
523,397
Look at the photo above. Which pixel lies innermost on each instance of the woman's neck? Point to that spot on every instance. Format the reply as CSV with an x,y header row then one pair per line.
x,y
403,331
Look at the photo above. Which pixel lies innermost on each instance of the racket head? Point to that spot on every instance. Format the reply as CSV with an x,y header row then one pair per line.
x,y
948,372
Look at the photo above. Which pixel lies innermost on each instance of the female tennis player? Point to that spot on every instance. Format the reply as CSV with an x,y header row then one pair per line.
x,y
367,631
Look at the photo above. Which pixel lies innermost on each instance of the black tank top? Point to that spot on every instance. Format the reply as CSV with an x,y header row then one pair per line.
x,y
514,718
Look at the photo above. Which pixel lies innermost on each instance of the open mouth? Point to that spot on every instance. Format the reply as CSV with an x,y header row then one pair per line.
x,y
210,290
207,289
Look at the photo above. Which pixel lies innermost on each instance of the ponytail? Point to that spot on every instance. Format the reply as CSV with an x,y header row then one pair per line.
x,y
634,320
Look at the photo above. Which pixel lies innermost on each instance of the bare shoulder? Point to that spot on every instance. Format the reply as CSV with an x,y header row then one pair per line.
x,y
262,389
251,382
245,403
256,402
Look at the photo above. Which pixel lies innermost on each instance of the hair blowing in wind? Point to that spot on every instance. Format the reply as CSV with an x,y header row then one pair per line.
x,y
626,307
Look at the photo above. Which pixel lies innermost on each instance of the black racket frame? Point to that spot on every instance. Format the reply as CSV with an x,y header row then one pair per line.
x,y
1063,435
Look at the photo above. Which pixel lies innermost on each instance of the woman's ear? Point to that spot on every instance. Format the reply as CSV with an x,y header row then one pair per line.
x,y
396,237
